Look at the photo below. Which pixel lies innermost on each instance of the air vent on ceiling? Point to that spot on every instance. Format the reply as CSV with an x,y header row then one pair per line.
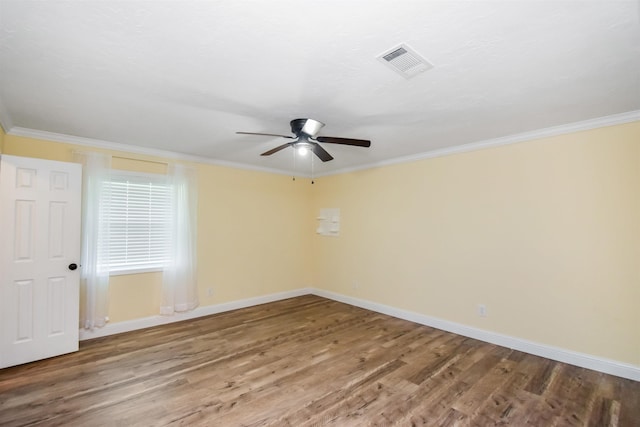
x,y
405,61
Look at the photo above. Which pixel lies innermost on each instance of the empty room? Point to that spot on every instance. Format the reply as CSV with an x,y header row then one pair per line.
x,y
301,213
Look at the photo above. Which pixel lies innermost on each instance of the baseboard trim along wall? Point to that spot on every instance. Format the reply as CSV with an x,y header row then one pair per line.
x,y
582,360
207,310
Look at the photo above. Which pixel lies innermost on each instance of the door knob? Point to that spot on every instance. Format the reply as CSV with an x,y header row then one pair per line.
x,y
73,266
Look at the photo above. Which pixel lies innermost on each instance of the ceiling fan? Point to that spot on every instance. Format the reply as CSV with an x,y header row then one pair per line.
x,y
306,139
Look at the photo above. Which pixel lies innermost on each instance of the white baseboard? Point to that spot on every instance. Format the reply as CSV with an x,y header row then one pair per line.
x,y
147,322
582,360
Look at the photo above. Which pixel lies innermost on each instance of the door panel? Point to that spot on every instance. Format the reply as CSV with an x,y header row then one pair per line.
x,y
23,296
40,229
56,306
56,229
24,226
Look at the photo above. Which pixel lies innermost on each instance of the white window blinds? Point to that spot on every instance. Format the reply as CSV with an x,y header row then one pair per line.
x,y
139,220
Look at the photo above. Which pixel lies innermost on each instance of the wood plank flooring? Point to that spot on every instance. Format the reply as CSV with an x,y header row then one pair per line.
x,y
308,361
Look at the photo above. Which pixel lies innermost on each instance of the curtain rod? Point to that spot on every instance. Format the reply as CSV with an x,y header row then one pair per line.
x,y
125,158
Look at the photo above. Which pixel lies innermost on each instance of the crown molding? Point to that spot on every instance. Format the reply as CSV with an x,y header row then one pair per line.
x,y
5,120
134,149
612,120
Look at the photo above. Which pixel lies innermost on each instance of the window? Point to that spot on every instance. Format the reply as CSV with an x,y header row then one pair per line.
x,y
139,220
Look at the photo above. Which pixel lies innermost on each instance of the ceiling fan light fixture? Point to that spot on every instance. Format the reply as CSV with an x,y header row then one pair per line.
x,y
303,147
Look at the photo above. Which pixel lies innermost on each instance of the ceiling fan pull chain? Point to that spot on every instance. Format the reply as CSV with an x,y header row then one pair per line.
x,y
294,164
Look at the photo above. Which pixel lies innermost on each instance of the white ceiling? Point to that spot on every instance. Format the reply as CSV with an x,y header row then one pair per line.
x,y
184,76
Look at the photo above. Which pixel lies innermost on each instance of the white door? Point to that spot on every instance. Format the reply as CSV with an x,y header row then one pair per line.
x,y
39,245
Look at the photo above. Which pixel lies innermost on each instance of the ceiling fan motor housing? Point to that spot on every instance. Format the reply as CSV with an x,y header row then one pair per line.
x,y
308,127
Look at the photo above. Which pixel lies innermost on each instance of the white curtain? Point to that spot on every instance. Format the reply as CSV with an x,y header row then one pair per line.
x,y
179,281
94,271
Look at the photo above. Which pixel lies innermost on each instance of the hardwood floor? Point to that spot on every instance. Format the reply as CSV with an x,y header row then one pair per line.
x,y
308,361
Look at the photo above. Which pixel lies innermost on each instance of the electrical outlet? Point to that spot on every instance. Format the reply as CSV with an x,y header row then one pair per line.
x,y
209,292
482,310
355,285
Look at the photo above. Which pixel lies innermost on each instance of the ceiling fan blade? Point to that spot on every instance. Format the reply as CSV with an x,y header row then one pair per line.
x,y
266,134
275,150
321,153
344,141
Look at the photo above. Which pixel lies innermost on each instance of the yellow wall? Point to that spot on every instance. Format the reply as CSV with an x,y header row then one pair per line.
x,y
254,231
1,139
545,233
